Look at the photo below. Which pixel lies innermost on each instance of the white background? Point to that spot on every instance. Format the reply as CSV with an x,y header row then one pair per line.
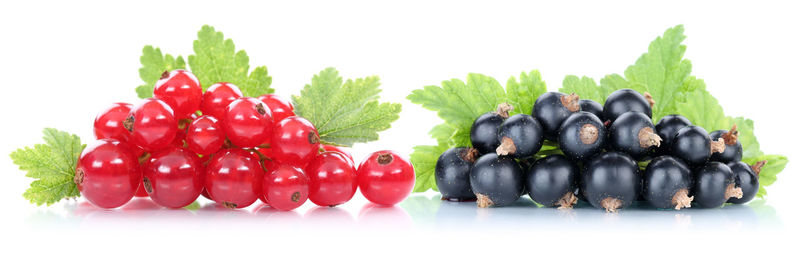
x,y
63,61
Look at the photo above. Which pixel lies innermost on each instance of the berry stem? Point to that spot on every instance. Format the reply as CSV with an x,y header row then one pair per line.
x,y
681,199
571,102
470,154
648,138
757,167
611,204
718,146
733,191
650,99
503,109
484,201
506,147
731,136
567,201
588,134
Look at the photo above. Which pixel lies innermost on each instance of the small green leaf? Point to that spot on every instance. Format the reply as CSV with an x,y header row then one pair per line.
x,y
52,165
523,93
193,206
154,63
586,88
424,160
769,173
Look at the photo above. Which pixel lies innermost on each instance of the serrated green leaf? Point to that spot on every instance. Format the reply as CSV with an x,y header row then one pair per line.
x,y
154,63
703,109
769,173
424,161
586,88
216,60
523,93
459,103
345,113
52,165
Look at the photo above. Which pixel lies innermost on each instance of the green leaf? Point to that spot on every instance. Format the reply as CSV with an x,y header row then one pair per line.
x,y
586,88
52,165
424,161
194,206
769,173
216,60
154,63
523,93
345,113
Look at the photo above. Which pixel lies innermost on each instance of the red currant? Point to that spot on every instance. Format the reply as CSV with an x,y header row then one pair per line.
x,y
285,188
173,177
233,178
180,90
269,166
151,124
281,108
330,148
108,124
247,122
295,141
107,173
217,97
385,178
140,192
205,136
332,179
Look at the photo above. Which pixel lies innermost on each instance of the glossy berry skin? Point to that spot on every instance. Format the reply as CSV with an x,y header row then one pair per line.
x,y
140,192
663,178
551,109
281,108
247,122
733,149
295,141
692,144
233,178
173,177
385,177
181,90
285,188
710,185
452,173
611,181
626,134
522,134
483,133
623,101
592,107
496,180
581,136
152,125
552,181
204,136
746,179
666,128
107,173
108,123
332,179
330,148
217,97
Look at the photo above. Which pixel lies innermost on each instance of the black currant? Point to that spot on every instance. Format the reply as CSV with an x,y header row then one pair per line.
x,y
666,128
633,133
733,148
591,106
746,178
693,145
452,173
483,133
611,181
520,136
714,184
552,181
582,135
627,100
496,180
552,108
667,181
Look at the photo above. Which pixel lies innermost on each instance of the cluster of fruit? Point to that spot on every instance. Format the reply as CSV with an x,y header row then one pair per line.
x,y
234,150
599,149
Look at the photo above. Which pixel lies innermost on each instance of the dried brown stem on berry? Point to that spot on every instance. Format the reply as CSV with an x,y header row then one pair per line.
x,y
567,201
731,136
506,147
503,109
681,199
611,204
484,201
385,159
469,155
148,186
230,205
733,191
648,138
718,146
650,99
128,123
571,102
588,134
79,174
757,167
164,75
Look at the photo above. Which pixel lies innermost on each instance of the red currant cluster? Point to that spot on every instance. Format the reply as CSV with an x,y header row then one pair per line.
x,y
231,149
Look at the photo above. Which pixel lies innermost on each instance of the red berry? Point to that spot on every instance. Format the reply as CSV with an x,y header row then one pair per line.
x,y
385,178
247,122
140,192
108,123
332,179
285,188
181,90
330,148
233,178
108,173
217,98
205,136
295,141
151,124
269,166
281,108
173,177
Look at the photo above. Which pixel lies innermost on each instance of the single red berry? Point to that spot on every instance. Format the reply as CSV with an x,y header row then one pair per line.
x,y
295,141
247,122
151,124
385,178
217,97
280,107
181,90
332,179
330,148
173,177
108,173
285,188
233,178
205,136
108,123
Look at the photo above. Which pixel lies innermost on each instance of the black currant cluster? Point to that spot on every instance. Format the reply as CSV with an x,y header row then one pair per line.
x,y
602,147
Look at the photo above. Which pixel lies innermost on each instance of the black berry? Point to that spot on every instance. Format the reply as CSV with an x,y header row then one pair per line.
x,y
746,178
666,128
667,181
483,133
633,133
452,173
552,108
611,181
714,185
591,106
693,145
520,136
582,135
733,148
552,181
496,180
627,100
